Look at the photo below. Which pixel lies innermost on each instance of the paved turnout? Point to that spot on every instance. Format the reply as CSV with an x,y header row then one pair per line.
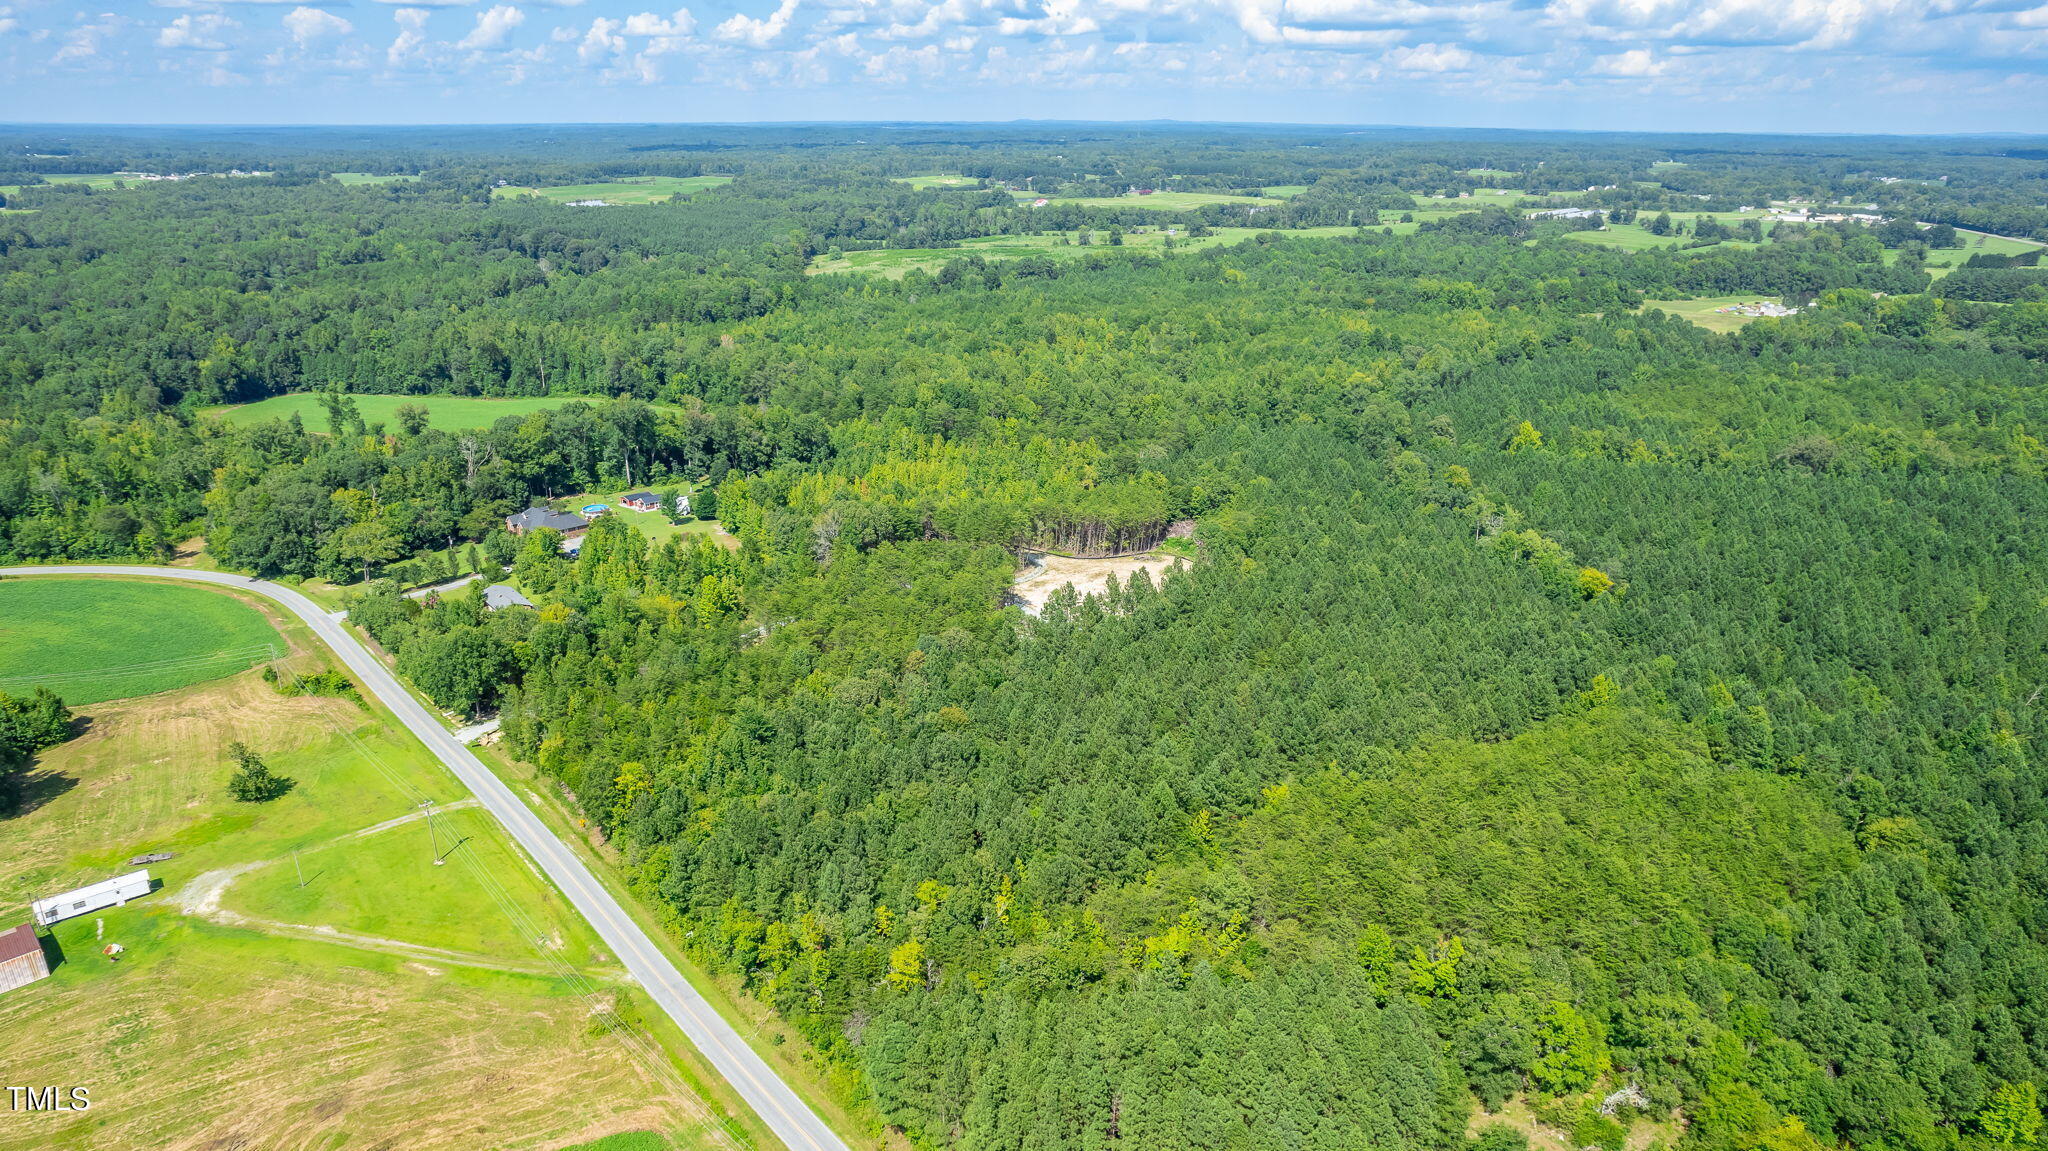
x,y
788,1116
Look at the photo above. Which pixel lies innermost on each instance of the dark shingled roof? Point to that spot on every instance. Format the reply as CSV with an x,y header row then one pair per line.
x,y
543,518
19,942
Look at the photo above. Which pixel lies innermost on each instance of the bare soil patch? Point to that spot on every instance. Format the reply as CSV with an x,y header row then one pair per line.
x,y
1044,573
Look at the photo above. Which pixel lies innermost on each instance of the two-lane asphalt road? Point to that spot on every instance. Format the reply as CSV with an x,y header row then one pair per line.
x,y
788,1116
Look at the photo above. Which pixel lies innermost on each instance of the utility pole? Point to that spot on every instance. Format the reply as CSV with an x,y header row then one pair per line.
x,y
434,835
297,868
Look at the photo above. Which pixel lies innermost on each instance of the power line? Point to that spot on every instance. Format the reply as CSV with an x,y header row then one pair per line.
x,y
638,1047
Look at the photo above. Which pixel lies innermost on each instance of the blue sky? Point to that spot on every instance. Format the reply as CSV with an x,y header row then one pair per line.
x,y
1733,65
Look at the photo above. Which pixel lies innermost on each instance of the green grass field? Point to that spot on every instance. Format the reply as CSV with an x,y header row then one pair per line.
x,y
353,178
448,413
1283,191
938,180
629,190
350,882
1636,238
893,263
89,179
1702,311
1480,197
90,640
1981,243
1157,201
653,525
439,1007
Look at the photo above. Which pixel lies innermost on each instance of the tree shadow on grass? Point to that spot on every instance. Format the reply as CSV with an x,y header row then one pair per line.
x,y
23,791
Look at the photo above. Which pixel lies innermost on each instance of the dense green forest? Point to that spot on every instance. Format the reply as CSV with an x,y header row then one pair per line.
x,y
1561,698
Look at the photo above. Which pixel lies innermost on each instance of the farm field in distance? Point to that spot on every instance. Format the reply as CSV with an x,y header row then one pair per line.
x,y
626,190
892,263
1703,311
354,178
1158,201
91,640
458,1005
449,413
938,180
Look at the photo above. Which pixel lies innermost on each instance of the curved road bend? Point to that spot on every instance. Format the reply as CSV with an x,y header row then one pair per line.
x,y
779,1107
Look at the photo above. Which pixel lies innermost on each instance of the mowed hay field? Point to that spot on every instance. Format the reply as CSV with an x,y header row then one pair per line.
x,y
91,640
629,190
386,1003
448,413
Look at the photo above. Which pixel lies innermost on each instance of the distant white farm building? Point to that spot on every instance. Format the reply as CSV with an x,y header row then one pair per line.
x,y
106,893
21,958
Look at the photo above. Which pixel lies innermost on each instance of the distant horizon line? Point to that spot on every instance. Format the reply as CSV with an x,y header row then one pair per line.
x,y
1306,125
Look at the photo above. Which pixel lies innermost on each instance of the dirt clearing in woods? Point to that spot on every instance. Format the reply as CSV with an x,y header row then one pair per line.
x,y
1044,574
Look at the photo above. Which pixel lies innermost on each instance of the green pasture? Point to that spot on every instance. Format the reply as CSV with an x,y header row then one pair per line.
x,y
302,993
627,190
653,525
448,413
1636,237
1157,201
1480,197
353,178
477,906
893,263
939,180
1702,311
1283,191
90,640
89,179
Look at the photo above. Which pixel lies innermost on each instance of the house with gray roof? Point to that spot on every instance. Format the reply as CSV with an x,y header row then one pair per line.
x,y
504,595
531,518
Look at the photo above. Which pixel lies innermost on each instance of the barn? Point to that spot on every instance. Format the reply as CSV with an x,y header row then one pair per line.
x,y
106,893
21,958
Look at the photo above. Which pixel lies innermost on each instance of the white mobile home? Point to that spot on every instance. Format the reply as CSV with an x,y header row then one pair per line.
x,y
106,893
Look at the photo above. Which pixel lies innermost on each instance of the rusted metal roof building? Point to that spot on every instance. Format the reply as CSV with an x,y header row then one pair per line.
x,y
21,958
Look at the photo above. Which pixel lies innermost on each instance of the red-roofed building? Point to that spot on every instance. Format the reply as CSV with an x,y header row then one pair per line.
x,y
21,958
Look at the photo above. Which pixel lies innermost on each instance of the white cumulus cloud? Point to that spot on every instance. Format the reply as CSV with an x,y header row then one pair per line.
x,y
309,24
492,29
758,33
411,42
